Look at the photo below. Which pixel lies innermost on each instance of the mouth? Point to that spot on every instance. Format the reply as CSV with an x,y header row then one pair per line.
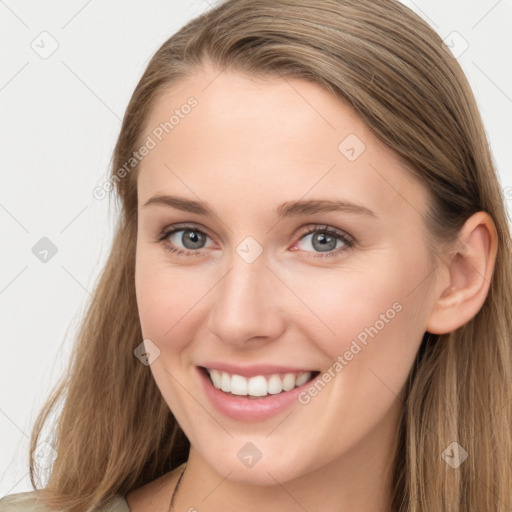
x,y
257,386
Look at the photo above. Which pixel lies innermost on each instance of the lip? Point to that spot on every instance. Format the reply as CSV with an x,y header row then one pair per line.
x,y
253,370
247,409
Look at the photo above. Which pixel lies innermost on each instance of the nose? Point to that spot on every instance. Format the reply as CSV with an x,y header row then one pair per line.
x,y
246,305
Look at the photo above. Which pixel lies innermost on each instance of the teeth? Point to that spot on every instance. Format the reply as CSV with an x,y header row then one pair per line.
x,y
239,385
302,379
225,382
274,385
258,385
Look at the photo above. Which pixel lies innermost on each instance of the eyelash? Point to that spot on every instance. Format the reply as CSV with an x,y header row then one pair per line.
x,y
340,235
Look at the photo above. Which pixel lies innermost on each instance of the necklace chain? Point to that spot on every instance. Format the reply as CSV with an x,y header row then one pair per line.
x,y
170,509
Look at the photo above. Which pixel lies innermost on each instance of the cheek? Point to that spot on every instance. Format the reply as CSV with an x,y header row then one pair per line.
x,y
150,300
377,325
168,298
371,317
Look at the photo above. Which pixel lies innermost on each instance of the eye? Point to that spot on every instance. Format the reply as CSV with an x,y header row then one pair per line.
x,y
324,240
191,238
327,241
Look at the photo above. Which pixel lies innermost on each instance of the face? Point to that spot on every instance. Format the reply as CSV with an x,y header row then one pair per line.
x,y
249,282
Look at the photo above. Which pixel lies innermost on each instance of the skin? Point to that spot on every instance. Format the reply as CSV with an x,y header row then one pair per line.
x,y
250,145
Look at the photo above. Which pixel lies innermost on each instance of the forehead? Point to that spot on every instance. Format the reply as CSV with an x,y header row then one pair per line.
x,y
268,140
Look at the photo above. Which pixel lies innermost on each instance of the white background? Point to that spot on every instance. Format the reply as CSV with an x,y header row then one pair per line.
x,y
60,117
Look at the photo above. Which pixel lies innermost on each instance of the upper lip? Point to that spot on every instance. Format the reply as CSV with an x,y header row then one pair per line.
x,y
254,369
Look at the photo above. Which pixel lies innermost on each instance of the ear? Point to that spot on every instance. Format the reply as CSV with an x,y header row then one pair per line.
x,y
463,287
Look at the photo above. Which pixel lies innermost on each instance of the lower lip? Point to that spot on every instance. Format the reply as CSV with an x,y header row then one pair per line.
x,y
249,409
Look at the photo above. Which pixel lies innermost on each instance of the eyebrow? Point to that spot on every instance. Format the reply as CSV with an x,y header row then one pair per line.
x,y
287,209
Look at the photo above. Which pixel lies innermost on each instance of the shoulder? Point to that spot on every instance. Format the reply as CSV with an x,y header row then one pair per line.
x,y
30,502
22,501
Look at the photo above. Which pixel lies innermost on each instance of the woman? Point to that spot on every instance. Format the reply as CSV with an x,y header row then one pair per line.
x,y
306,305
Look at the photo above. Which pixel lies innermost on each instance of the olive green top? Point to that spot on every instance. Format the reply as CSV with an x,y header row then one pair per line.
x,y
29,502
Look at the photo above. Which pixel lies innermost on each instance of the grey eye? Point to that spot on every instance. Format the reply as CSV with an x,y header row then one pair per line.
x,y
190,238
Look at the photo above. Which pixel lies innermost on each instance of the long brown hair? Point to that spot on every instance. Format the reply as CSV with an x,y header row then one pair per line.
x,y
115,432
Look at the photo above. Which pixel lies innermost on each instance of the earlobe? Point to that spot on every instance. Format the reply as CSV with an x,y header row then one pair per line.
x,y
469,274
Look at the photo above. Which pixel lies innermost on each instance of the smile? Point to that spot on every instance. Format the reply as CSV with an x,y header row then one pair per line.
x,y
259,385
258,396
